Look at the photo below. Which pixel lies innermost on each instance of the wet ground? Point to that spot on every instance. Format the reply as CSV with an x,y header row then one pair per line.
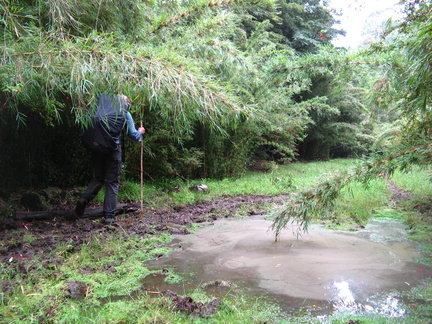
x,y
22,241
322,271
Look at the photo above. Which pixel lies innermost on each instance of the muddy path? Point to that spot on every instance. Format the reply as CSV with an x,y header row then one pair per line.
x,y
172,220
24,255
20,252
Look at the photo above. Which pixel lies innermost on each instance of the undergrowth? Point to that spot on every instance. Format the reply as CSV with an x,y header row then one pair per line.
x,y
110,270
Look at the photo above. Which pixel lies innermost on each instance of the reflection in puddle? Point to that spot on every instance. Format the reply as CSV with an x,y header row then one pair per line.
x,y
345,298
323,271
390,306
382,304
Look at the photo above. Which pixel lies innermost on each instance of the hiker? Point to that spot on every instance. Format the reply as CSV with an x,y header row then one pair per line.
x,y
103,138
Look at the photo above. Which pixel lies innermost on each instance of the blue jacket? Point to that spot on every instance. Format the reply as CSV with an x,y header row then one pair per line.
x,y
132,132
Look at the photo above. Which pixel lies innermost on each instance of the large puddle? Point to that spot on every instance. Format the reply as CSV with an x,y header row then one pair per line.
x,y
322,271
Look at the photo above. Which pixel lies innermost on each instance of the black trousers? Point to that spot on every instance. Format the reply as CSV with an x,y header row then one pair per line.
x,y
106,171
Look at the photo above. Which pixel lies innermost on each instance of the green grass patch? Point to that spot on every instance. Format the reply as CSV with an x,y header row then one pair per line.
x,y
389,213
142,309
111,267
416,181
106,268
418,206
357,205
280,179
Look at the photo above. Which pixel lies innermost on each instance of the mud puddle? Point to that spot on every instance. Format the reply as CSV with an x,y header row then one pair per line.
x,y
323,271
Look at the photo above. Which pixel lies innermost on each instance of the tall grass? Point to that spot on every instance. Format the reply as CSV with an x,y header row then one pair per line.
x,y
280,179
417,206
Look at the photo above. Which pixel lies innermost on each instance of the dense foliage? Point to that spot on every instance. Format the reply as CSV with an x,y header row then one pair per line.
x,y
203,75
401,96
218,84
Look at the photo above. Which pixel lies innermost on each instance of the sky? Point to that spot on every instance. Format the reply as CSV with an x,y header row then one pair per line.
x,y
355,14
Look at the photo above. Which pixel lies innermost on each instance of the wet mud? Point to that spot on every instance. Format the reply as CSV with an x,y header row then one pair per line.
x,y
24,241
323,270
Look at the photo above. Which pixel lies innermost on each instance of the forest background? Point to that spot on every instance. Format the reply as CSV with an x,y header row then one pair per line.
x,y
221,86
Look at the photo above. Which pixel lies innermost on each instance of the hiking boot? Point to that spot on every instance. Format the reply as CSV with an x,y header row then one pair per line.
x,y
110,220
80,206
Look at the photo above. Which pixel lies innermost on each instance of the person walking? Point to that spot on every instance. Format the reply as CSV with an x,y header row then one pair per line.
x,y
106,163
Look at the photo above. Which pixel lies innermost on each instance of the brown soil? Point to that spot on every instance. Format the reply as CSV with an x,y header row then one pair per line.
x,y
174,220
397,195
19,251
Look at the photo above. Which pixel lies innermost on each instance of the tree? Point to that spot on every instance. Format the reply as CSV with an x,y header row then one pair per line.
x,y
304,24
218,83
57,55
404,86
197,70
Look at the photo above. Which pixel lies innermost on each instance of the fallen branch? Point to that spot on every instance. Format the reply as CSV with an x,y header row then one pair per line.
x,y
89,213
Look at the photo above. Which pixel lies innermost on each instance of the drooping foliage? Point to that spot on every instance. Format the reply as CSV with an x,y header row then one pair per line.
x,y
403,90
217,84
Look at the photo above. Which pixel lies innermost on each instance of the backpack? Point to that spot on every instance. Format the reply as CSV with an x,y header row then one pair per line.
x,y
105,123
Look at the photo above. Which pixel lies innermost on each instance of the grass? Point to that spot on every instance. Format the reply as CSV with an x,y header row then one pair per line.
x,y
357,205
281,179
418,208
115,265
352,211
157,310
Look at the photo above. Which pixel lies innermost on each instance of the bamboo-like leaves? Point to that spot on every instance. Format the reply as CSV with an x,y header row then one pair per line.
x,y
53,65
302,206
81,69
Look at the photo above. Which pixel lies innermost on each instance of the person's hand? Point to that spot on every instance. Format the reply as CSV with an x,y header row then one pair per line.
x,y
142,130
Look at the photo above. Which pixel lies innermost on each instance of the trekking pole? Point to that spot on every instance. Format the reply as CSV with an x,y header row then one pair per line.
x,y
142,177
